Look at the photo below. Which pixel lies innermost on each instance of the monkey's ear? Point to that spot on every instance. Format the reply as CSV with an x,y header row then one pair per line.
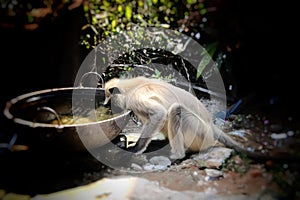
x,y
114,90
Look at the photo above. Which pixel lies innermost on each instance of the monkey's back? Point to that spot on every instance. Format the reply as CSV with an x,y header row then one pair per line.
x,y
164,93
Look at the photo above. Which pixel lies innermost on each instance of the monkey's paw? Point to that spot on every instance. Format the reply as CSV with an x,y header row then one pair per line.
x,y
176,156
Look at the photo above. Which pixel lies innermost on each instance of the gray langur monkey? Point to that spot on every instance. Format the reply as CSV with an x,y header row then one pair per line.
x,y
178,114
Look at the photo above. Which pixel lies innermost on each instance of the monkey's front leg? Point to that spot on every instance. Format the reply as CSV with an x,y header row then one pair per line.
x,y
175,134
156,117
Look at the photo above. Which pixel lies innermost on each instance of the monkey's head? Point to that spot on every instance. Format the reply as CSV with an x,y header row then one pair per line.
x,y
114,95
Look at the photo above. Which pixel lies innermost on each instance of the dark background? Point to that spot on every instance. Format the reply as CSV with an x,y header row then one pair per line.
x,y
265,68
265,64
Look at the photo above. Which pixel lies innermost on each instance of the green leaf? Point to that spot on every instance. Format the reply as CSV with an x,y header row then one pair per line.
x,y
191,1
128,12
202,11
114,24
203,63
157,73
211,48
120,8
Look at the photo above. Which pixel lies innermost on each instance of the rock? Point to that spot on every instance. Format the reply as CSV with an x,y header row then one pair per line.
x,y
160,160
136,167
149,167
214,158
134,188
157,163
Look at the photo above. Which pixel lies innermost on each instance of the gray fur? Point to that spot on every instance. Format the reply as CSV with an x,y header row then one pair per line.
x,y
178,114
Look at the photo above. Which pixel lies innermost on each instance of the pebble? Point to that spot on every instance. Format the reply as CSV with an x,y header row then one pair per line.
x,y
238,160
255,173
150,167
290,133
157,163
213,174
278,136
269,164
136,167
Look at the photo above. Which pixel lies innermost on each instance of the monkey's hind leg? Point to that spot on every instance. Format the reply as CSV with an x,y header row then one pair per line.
x,y
175,134
187,131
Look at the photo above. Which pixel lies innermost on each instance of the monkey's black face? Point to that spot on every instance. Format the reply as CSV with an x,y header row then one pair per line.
x,y
117,102
115,99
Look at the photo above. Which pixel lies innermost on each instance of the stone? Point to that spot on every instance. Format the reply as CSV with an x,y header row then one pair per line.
x,y
214,158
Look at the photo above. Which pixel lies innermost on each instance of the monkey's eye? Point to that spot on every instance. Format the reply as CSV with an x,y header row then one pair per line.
x,y
114,90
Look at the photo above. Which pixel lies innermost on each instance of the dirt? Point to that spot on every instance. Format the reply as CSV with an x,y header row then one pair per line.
x,y
268,179
276,179
243,179
233,183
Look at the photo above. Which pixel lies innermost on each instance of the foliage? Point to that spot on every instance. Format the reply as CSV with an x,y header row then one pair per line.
x,y
29,14
106,18
237,163
191,17
287,179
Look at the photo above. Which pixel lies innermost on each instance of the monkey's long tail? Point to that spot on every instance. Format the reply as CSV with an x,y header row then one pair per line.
x,y
229,142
